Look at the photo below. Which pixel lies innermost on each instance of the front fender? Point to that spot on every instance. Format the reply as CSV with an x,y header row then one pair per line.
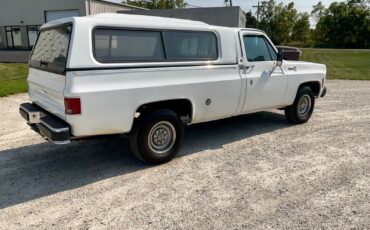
x,y
299,73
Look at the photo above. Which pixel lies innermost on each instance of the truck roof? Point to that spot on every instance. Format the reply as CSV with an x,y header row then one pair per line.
x,y
148,19
112,18
80,53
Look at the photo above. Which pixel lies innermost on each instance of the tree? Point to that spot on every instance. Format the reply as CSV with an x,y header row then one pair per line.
x,y
301,28
278,20
157,4
250,20
344,25
317,11
266,14
285,22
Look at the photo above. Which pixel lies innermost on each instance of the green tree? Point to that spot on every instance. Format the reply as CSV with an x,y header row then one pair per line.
x,y
317,11
266,16
345,25
301,29
278,20
157,4
250,20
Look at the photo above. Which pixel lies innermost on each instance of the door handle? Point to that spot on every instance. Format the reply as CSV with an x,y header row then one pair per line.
x,y
242,66
246,68
292,68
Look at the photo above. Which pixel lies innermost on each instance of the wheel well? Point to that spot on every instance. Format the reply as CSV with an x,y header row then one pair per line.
x,y
314,85
182,107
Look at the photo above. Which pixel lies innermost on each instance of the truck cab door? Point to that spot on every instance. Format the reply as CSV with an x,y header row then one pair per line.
x,y
265,84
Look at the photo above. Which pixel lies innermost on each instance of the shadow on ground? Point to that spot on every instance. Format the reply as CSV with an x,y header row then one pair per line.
x,y
31,172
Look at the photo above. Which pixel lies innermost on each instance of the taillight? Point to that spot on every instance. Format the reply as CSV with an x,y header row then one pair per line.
x,y
72,106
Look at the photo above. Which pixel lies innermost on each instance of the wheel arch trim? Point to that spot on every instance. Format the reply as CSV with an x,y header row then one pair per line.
x,y
173,100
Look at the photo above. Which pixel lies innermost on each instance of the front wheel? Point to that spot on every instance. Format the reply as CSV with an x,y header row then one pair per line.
x,y
157,137
302,108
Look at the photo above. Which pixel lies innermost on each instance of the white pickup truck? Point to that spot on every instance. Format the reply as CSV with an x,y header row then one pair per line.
x,y
148,77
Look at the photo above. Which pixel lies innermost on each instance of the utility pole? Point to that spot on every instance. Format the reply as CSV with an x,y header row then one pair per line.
x,y
230,4
258,13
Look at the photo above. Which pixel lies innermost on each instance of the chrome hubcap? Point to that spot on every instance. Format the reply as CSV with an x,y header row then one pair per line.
x,y
162,137
304,105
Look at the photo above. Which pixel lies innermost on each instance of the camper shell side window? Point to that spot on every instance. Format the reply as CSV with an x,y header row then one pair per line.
x,y
121,45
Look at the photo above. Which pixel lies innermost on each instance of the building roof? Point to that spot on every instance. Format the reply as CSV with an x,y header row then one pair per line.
x,y
123,4
220,16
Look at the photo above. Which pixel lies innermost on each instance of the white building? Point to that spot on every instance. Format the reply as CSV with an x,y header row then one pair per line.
x,y
20,20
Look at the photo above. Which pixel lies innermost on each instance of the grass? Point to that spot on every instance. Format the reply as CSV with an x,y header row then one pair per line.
x,y
13,78
341,64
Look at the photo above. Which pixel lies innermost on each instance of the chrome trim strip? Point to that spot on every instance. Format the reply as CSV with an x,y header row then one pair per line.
x,y
141,70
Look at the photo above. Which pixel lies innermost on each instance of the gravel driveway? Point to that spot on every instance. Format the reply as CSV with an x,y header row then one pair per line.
x,y
254,171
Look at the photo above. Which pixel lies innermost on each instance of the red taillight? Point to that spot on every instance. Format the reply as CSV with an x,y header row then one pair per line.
x,y
72,106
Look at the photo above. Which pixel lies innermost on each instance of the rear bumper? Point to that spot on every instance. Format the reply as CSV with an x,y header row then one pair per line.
x,y
47,125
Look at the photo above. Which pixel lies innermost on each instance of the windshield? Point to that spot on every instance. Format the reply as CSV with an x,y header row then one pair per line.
x,y
51,50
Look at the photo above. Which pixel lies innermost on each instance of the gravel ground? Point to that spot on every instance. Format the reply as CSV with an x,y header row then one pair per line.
x,y
255,171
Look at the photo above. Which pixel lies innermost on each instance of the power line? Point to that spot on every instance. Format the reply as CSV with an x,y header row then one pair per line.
x,y
187,4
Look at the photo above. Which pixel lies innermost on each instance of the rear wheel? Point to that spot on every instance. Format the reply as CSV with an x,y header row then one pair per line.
x,y
157,137
302,108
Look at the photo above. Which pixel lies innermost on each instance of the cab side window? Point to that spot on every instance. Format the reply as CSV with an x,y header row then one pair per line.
x,y
258,49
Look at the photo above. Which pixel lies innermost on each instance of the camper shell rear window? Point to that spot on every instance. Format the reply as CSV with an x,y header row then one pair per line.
x,y
51,50
120,45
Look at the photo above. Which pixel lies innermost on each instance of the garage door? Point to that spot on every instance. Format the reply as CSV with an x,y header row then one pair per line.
x,y
58,14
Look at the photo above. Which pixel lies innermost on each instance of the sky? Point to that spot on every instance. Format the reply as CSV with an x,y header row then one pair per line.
x,y
246,5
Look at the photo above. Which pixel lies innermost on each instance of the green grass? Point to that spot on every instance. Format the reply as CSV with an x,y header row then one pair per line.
x,y
341,64
13,78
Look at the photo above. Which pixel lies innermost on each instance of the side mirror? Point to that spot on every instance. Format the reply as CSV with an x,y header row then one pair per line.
x,y
280,58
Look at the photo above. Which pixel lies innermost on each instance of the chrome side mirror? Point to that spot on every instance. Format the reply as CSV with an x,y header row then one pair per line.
x,y
279,61
280,58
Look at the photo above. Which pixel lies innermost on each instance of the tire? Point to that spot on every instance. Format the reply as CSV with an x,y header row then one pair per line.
x,y
157,137
302,108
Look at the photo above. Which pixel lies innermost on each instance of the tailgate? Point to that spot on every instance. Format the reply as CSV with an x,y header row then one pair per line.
x,y
47,75
47,90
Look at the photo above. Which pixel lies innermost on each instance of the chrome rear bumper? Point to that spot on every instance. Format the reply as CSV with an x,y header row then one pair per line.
x,y
47,125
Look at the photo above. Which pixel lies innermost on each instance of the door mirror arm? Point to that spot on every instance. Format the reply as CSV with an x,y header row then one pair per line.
x,y
279,60
245,67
